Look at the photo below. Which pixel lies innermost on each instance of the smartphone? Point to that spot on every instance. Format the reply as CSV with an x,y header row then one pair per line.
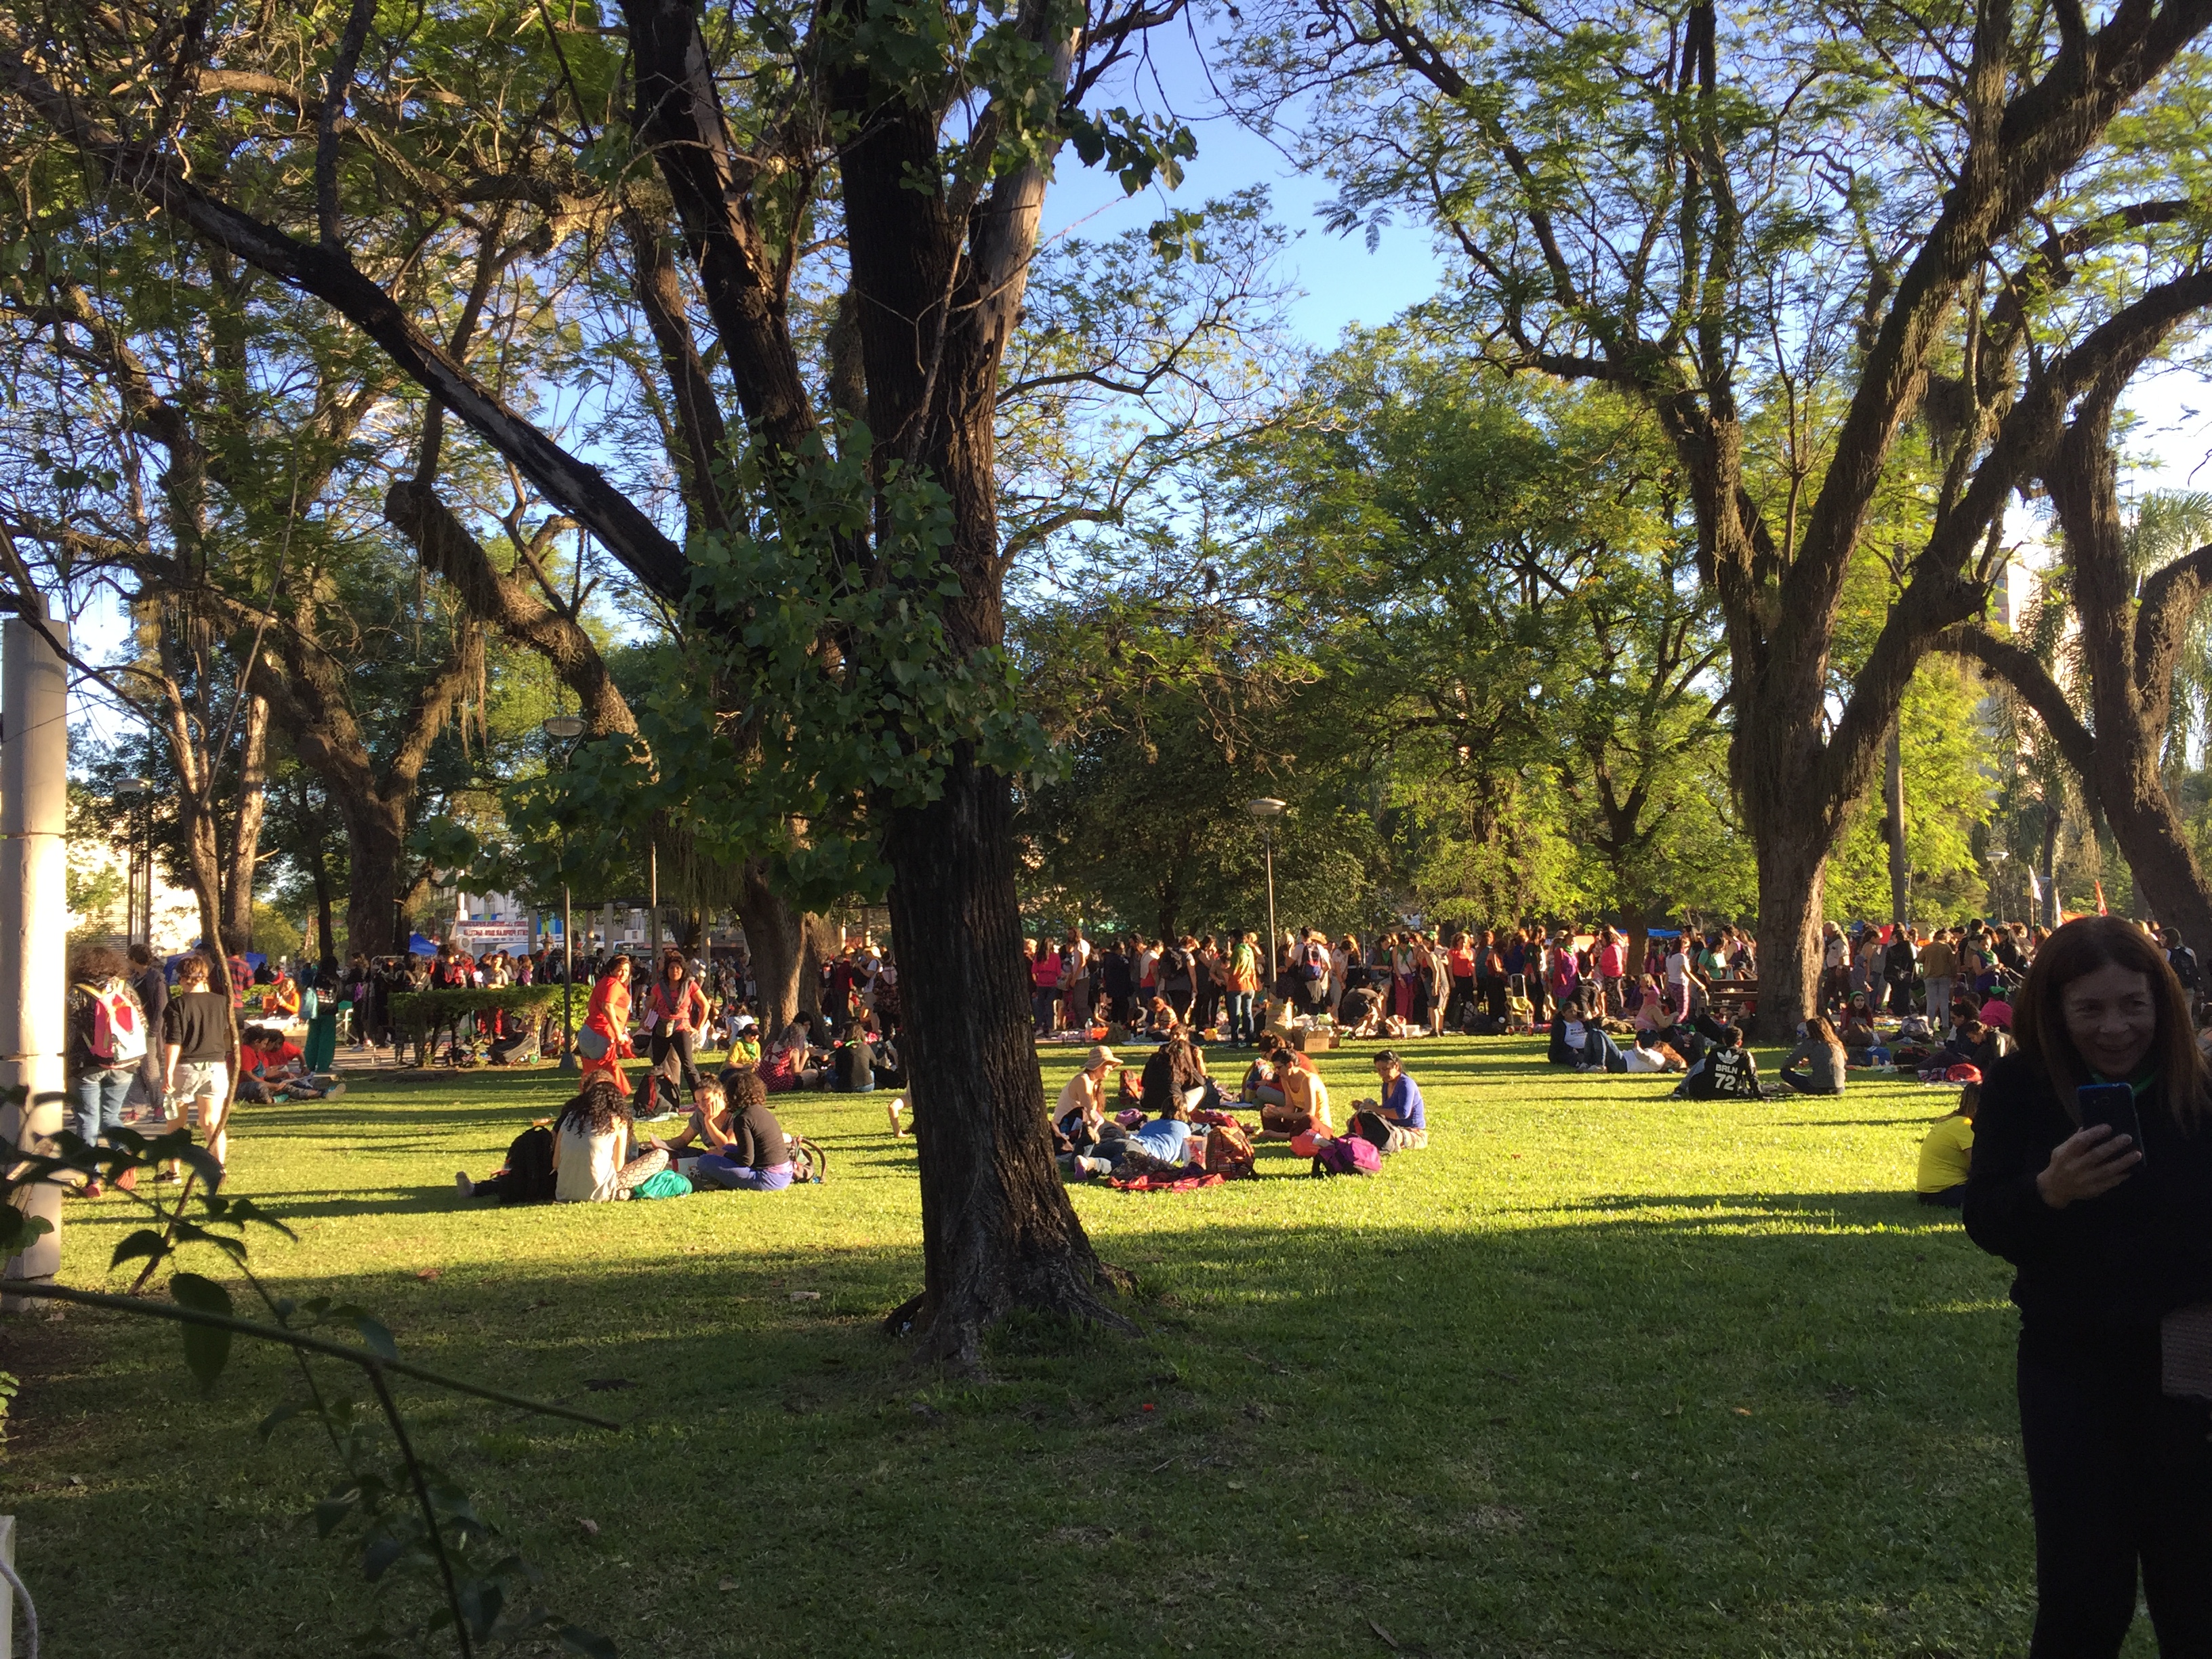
x,y
2113,1105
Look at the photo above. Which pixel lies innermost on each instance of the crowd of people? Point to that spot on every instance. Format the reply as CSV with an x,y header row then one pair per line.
x,y
2077,1150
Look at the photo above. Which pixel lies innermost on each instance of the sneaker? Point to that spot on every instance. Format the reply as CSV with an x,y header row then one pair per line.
x,y
168,1178
127,1181
463,1185
335,1089
91,1189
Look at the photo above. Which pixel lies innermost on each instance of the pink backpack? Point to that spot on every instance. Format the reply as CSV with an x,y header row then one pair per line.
x,y
1347,1155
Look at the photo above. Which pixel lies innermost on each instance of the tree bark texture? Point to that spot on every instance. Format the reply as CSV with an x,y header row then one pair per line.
x,y
245,860
1900,868
997,1229
774,936
2130,649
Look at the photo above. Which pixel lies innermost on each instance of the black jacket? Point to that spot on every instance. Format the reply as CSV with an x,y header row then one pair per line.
x,y
2101,1265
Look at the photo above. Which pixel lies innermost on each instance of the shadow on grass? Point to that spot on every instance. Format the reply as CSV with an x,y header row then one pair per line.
x,y
1727,1438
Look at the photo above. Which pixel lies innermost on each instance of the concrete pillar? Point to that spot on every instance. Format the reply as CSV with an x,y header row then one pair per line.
x,y
33,914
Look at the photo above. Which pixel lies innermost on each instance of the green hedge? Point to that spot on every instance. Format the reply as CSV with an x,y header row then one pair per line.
x,y
419,1012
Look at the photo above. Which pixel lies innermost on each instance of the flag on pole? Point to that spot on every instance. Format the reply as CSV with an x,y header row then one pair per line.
x,y
2034,887
2100,900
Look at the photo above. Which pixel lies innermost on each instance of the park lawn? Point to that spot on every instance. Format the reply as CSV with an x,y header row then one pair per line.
x,y
1597,1373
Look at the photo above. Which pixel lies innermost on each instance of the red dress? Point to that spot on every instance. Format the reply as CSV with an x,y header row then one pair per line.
x,y
609,1016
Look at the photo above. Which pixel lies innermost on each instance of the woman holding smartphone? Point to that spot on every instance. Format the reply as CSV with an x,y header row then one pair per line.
x,y
2091,1174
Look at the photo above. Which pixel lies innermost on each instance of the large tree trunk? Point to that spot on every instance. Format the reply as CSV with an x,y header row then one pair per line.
x,y
1792,870
1636,926
376,848
773,937
1900,869
245,861
2129,643
998,1232
816,950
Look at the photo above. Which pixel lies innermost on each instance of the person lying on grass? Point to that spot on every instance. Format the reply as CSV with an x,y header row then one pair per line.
x,y
755,1156
1161,1146
1652,1052
1400,1107
595,1158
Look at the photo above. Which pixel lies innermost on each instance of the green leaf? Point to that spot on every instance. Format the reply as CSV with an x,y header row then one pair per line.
x,y
283,1414
378,1337
332,1511
206,1351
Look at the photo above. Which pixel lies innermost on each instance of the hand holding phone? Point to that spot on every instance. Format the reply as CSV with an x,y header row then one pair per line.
x,y
2103,1152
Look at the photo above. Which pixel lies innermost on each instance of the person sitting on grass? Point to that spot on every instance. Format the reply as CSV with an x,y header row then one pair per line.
x,y
706,1127
1579,1038
1261,1087
595,1158
1304,1098
275,1069
789,1062
1400,1107
1727,1071
1822,1070
1947,1152
755,1154
1175,1071
1080,1111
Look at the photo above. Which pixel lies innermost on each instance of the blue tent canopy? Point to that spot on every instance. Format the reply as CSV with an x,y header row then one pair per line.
x,y
417,945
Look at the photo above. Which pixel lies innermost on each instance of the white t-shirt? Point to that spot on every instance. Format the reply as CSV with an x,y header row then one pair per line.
x,y
590,1165
1835,952
1641,1059
1678,967
1578,1034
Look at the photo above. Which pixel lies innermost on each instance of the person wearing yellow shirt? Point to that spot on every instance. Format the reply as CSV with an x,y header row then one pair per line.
x,y
1949,1152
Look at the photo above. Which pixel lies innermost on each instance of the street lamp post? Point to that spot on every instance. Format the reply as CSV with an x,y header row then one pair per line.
x,y
1997,856
1265,810
566,728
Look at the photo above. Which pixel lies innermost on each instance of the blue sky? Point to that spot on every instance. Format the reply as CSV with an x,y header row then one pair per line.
x,y
1342,283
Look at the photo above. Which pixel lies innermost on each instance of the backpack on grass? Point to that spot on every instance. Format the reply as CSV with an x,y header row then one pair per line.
x,y
1228,1151
529,1168
1350,1155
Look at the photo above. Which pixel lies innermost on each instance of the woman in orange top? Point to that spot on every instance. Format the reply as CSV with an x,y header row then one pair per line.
x,y
608,1017
281,1000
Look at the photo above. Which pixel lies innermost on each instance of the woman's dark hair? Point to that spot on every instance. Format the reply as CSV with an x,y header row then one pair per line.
x,y
743,1088
2079,949
673,959
1818,1030
594,1111
96,962
614,967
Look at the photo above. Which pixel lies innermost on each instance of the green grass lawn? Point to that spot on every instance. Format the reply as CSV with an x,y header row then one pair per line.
x,y
1597,1373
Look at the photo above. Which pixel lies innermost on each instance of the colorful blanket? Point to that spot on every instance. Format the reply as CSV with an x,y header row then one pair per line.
x,y
1153,1183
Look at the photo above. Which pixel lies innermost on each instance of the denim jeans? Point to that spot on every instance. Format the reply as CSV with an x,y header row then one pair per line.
x,y
715,1169
96,1098
1240,1017
1600,1049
